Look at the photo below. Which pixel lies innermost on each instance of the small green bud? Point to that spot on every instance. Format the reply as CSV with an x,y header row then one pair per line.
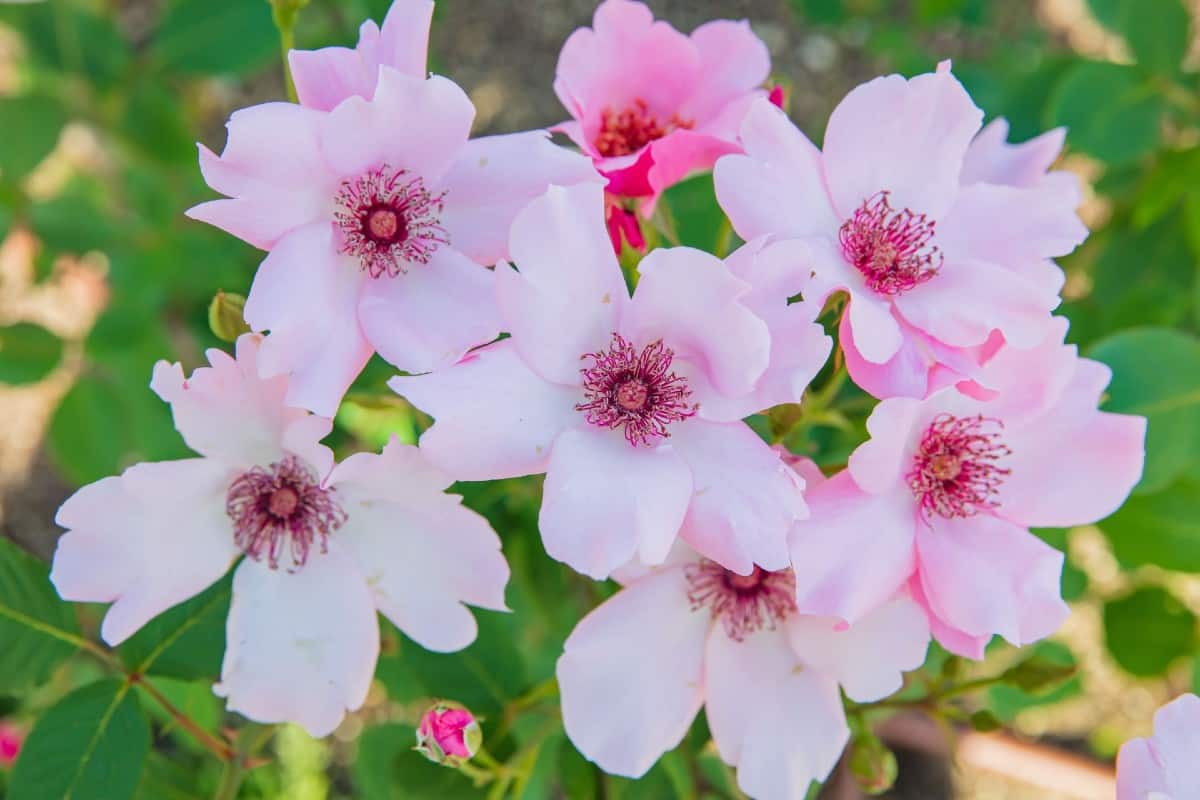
x,y
225,316
872,764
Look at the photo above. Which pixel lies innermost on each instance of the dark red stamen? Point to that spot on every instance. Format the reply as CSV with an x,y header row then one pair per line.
x,y
890,248
388,220
955,472
635,391
278,505
628,131
744,603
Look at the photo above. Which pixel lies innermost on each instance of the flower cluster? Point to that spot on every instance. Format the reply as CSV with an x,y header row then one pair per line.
x,y
752,584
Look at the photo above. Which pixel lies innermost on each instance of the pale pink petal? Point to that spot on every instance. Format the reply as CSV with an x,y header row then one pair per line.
x,y
690,300
273,171
947,636
1030,382
1006,225
569,295
404,37
877,333
427,318
496,418
423,561
326,77
834,577
626,56
1140,772
682,152
990,159
145,541
1074,465
905,137
226,411
734,62
782,726
868,658
966,300
1176,742
983,575
300,646
415,124
631,674
778,186
307,296
606,500
401,472
906,374
493,178
880,463
746,499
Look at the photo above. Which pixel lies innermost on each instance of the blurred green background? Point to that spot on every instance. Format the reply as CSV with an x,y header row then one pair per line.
x,y
101,102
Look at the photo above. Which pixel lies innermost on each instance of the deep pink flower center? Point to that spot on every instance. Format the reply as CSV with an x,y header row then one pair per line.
x,y
892,249
389,220
629,130
635,390
281,505
955,472
743,603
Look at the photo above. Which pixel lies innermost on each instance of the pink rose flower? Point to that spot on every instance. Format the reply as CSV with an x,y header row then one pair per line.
x,y
325,547
448,733
690,633
937,269
325,77
377,216
650,105
1164,766
943,494
632,407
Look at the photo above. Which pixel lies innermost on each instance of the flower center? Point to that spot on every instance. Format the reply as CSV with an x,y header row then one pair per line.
x,y
625,132
278,505
955,472
892,249
744,603
388,220
634,390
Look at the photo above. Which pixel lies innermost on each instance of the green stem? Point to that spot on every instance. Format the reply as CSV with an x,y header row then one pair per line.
x,y
249,740
284,13
217,747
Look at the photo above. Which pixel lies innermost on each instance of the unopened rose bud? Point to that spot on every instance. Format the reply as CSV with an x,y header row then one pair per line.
x,y
10,743
225,316
448,734
777,97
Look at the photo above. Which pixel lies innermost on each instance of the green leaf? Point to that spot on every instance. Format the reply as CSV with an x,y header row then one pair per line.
x,y
699,221
1006,701
485,677
1147,630
1110,112
1161,528
77,220
1157,31
193,36
1156,374
64,37
33,133
36,627
92,745
387,769
822,12
185,642
1040,672
28,353
985,721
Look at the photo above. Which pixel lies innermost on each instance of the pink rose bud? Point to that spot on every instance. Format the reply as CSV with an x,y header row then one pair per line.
x,y
624,223
448,734
777,96
10,743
